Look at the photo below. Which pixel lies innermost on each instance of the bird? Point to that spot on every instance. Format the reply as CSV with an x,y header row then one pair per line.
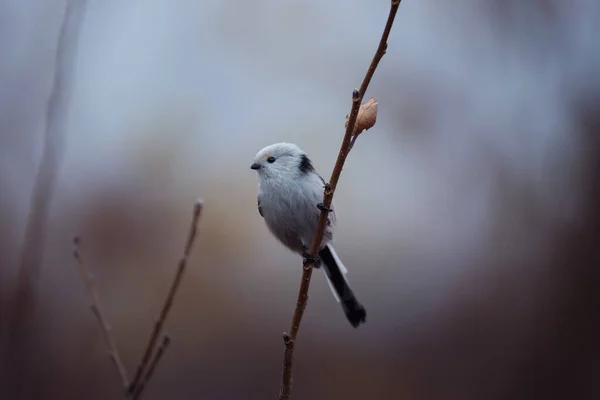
x,y
290,192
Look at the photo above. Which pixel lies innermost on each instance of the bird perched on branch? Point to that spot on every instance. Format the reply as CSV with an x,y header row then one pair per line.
x,y
290,192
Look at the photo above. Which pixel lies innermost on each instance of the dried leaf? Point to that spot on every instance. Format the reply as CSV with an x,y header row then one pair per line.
x,y
367,116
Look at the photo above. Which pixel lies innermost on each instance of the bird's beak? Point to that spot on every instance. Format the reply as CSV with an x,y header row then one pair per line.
x,y
255,166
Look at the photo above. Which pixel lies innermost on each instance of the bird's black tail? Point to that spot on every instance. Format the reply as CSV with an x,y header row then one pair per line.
x,y
335,270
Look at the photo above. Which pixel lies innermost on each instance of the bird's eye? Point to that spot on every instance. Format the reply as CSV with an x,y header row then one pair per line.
x,y
271,159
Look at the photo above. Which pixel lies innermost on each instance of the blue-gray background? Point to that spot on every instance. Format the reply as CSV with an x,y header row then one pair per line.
x,y
457,211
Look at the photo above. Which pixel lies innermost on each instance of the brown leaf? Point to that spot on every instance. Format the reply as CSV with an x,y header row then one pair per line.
x,y
367,116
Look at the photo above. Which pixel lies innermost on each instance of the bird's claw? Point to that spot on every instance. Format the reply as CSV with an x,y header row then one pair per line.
x,y
322,207
307,259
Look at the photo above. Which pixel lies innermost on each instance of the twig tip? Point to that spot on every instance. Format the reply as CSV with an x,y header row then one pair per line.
x,y
198,206
76,240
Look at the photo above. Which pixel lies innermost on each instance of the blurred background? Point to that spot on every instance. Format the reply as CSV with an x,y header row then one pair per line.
x,y
468,216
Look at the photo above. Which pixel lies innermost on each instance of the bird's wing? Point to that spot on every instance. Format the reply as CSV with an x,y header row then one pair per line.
x,y
260,209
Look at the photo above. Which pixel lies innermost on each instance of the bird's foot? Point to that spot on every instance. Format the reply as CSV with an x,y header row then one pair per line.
x,y
307,259
322,207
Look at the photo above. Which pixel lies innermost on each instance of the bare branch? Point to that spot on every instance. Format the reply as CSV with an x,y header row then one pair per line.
x,y
158,325
147,366
31,253
97,310
330,187
157,356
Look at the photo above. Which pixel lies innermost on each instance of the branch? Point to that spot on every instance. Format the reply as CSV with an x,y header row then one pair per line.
x,y
31,253
157,356
146,367
357,96
97,310
168,303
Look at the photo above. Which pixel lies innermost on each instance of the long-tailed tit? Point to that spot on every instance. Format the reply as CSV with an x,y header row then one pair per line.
x,y
290,192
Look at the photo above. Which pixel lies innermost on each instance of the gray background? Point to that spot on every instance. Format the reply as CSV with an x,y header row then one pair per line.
x,y
464,214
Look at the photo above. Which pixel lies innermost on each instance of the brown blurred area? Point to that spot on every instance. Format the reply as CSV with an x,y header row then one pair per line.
x,y
468,216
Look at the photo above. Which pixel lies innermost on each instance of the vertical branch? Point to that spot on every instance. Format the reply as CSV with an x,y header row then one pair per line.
x,y
357,96
169,299
30,259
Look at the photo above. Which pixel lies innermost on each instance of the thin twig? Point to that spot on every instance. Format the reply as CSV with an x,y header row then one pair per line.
x,y
157,356
169,299
97,310
357,96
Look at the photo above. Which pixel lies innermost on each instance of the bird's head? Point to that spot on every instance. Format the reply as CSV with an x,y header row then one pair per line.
x,y
280,160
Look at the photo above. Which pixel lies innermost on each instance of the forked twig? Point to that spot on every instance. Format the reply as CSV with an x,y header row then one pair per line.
x,y
347,143
158,324
97,310
157,356
148,363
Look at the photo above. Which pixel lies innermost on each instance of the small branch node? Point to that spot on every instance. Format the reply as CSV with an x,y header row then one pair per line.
x,y
286,339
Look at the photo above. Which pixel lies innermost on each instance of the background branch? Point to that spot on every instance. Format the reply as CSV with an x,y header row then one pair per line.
x,y
30,259
357,96
158,325
148,364
148,375
98,313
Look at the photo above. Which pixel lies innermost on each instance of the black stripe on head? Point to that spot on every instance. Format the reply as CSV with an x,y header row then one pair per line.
x,y
305,165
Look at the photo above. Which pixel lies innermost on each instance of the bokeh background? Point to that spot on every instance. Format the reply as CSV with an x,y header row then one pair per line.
x,y
468,216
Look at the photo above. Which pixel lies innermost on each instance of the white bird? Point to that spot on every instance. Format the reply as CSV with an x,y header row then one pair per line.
x,y
290,192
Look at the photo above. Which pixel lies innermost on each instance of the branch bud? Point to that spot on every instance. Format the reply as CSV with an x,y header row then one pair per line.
x,y
366,118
